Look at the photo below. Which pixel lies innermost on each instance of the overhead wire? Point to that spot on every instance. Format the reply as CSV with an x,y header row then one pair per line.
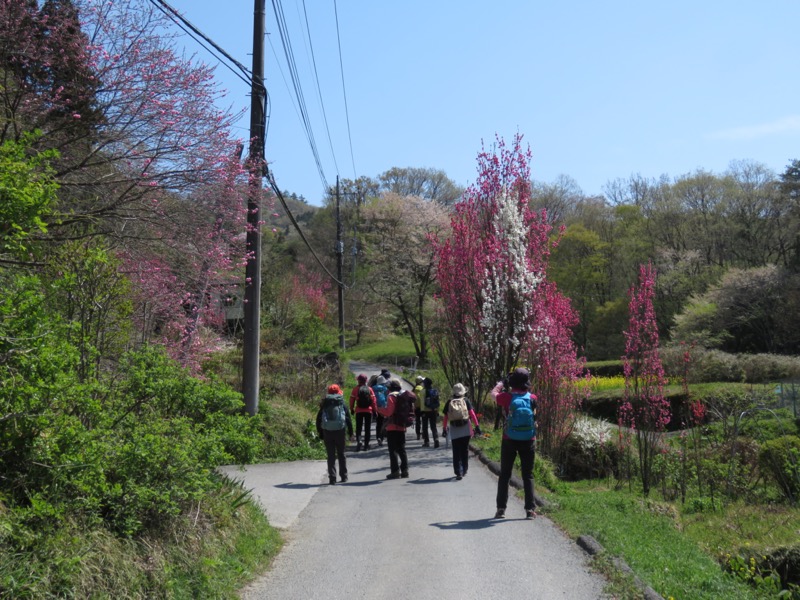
x,y
292,65
188,28
193,32
344,90
319,88
279,194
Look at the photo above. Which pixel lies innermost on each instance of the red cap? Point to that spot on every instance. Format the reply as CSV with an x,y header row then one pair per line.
x,y
334,389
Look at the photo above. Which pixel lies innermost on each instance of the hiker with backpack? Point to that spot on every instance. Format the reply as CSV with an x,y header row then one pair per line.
x,y
333,421
399,412
419,392
458,415
430,412
519,437
381,395
363,404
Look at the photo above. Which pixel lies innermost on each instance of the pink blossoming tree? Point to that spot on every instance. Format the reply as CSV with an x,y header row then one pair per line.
x,y
644,409
497,307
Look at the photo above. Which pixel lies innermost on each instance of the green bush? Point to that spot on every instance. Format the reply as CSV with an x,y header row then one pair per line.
x,y
781,458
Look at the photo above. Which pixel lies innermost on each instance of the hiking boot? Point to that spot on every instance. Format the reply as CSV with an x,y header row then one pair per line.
x,y
530,514
459,477
426,444
393,476
500,514
435,443
344,478
404,474
332,480
419,436
380,441
358,447
366,447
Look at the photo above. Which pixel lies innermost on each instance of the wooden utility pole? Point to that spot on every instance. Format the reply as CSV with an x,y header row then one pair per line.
x,y
256,167
340,266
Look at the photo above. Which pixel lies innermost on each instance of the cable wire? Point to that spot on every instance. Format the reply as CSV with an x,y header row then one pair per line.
x,y
188,28
276,190
344,91
292,65
319,88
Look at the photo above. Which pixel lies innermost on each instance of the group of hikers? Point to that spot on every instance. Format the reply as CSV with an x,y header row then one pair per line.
x,y
395,410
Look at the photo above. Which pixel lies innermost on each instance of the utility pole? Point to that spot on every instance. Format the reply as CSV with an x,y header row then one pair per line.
x,y
256,166
339,266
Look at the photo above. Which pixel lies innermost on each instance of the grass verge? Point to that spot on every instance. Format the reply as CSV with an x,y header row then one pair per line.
x,y
647,535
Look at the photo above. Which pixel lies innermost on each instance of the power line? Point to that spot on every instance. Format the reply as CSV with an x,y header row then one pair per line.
x,y
188,28
274,186
289,53
344,91
319,88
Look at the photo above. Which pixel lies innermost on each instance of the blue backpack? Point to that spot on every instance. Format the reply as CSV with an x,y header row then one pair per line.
x,y
380,395
333,413
520,424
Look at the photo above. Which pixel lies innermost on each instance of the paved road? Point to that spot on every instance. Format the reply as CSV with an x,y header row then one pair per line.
x,y
428,537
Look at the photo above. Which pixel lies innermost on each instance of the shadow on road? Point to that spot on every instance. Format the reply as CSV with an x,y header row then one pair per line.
x,y
298,486
476,524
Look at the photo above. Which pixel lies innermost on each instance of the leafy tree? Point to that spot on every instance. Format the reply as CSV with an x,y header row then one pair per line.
x,y
579,265
27,194
429,184
750,310
558,199
401,261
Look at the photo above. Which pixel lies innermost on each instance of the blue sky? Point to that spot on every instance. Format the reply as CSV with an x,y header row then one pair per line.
x,y
599,90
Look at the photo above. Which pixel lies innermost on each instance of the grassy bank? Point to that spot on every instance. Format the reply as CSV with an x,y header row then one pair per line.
x,y
678,552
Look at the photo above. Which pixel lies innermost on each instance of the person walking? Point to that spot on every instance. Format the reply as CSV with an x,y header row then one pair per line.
x,y
430,412
333,420
458,417
519,438
419,392
381,394
396,412
363,404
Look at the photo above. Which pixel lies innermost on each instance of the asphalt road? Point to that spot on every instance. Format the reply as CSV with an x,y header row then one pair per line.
x,y
422,538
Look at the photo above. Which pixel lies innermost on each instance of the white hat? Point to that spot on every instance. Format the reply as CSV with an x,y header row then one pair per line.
x,y
381,380
459,390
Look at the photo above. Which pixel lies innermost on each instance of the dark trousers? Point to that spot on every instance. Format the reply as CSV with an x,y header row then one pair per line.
x,y
396,442
429,422
417,421
508,454
379,433
461,455
363,420
334,446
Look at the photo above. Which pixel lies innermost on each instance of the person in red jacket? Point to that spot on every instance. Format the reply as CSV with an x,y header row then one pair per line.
x,y
364,405
519,437
395,434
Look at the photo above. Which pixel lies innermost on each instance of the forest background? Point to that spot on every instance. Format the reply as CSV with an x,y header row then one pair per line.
x,y
122,229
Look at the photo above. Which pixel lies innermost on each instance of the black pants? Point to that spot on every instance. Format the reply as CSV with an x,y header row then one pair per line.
x,y
508,454
396,442
379,433
363,420
429,422
334,446
417,421
460,455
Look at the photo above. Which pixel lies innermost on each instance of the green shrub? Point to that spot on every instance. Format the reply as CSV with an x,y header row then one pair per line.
x,y
781,458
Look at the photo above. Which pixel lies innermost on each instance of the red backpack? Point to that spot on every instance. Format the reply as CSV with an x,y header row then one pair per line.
x,y
404,404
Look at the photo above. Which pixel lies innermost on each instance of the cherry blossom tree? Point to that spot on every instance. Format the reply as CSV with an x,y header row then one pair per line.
x,y
644,409
489,270
147,161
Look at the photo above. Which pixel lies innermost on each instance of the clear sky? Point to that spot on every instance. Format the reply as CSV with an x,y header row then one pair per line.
x,y
599,90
